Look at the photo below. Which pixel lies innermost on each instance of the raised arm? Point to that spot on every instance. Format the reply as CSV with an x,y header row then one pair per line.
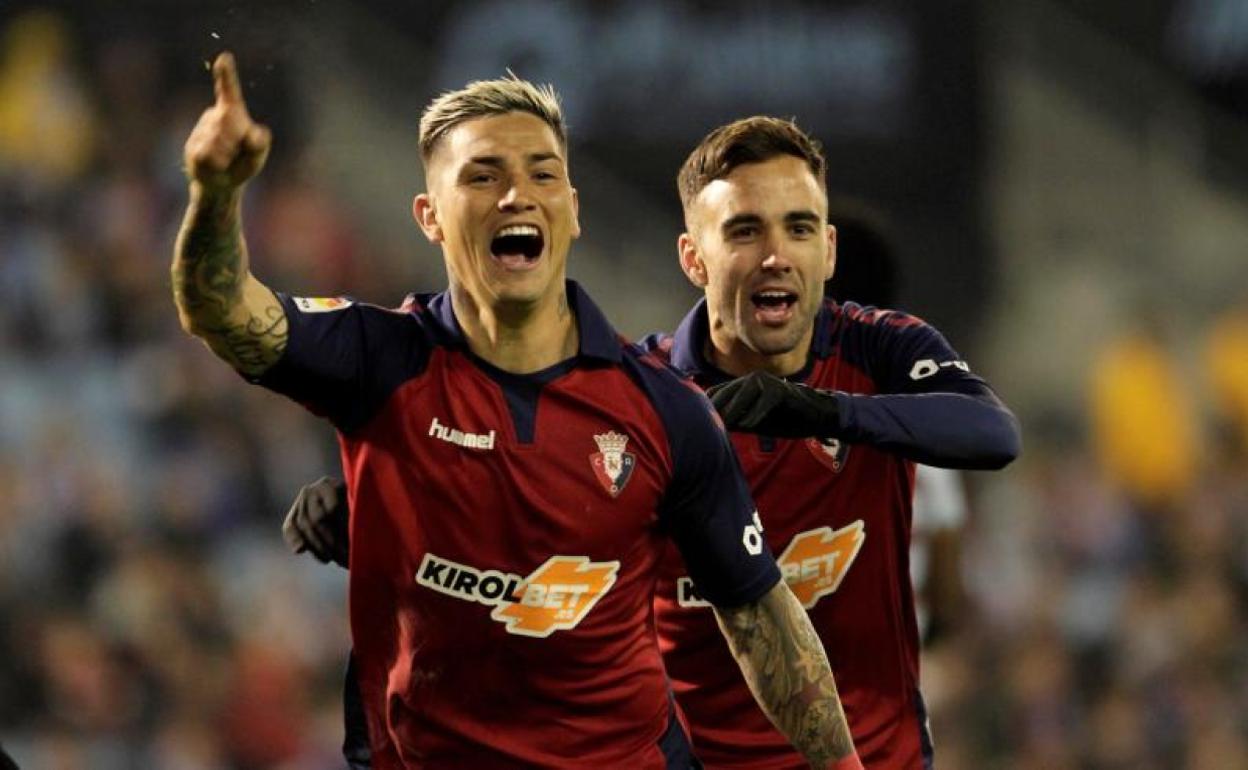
x,y
784,664
217,297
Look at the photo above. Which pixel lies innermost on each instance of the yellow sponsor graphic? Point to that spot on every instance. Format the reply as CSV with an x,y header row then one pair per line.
x,y
813,565
557,595
817,560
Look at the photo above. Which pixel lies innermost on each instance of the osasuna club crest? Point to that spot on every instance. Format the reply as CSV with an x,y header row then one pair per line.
x,y
832,452
612,465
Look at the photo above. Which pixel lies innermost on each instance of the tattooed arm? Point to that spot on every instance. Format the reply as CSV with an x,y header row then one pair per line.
x,y
218,298
788,672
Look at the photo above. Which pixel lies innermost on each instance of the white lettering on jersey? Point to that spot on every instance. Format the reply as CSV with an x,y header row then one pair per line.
x,y
926,367
461,438
752,537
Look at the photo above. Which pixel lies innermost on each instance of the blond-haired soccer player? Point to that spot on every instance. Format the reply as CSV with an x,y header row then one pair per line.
x,y
515,468
832,404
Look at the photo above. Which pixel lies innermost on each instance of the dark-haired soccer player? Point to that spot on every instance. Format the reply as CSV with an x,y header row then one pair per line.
x,y
515,468
843,400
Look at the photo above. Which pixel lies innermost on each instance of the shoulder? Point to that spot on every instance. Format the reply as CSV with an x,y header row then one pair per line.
x,y
658,344
320,310
649,364
344,358
863,331
851,314
686,413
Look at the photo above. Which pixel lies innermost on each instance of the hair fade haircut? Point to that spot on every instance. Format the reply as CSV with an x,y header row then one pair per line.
x,y
748,140
486,98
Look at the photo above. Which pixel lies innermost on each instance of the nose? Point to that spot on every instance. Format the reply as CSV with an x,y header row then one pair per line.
x,y
774,258
516,198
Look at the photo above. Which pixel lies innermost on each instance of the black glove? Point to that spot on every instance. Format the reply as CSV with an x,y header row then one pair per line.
x,y
766,404
317,522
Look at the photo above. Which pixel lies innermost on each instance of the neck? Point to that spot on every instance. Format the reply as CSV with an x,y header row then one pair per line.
x,y
732,356
520,337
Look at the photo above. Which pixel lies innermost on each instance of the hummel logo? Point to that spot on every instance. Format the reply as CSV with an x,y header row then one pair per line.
x,y
461,438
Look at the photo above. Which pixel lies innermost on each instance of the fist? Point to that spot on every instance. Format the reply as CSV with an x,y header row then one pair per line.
x,y
226,147
317,521
771,406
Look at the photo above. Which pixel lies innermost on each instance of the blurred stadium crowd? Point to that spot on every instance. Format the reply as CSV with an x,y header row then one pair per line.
x,y
151,617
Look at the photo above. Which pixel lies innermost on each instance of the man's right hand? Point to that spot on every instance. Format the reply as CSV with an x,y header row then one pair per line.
x,y
317,521
227,147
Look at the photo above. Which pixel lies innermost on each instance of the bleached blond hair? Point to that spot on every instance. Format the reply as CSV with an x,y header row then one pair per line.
x,y
484,98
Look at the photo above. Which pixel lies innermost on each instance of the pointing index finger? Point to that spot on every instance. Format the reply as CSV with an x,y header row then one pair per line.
x,y
225,79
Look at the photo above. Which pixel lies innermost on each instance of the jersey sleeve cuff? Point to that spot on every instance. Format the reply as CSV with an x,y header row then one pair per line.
x,y
753,591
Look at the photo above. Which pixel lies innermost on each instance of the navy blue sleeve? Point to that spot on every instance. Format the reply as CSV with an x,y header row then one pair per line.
x,y
931,408
707,507
344,359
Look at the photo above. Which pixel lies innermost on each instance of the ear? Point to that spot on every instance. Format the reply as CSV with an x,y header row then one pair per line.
x,y
831,266
690,261
576,214
425,212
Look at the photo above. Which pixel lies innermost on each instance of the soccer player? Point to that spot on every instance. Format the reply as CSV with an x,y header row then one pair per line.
x,y
515,468
831,406
841,400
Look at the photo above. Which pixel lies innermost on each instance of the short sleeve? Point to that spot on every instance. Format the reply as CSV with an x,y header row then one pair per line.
x,y
343,359
709,511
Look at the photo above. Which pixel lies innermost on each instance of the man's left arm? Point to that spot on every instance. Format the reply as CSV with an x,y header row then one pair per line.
x,y
784,664
930,409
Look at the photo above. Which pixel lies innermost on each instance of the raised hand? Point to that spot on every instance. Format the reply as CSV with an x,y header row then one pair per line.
x,y
226,147
317,521
763,403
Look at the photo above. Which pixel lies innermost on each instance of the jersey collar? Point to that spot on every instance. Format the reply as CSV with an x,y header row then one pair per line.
x,y
598,340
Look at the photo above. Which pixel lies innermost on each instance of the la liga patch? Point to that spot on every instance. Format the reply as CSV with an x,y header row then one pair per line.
x,y
321,304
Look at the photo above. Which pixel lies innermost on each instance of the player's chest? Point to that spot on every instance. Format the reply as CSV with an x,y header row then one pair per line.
x,y
579,454
798,482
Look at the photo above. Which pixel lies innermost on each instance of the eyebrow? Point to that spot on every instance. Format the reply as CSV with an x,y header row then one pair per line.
x,y
792,217
801,216
741,219
497,161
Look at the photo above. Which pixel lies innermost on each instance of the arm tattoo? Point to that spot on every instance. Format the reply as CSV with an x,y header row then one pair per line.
x,y
250,347
209,287
785,666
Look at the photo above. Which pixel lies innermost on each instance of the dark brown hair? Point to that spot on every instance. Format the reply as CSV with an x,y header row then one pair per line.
x,y
749,140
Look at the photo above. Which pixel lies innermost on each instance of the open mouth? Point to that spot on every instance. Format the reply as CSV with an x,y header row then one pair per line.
x,y
517,246
773,306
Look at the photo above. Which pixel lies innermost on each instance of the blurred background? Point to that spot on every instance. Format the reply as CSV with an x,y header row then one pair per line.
x,y
1066,183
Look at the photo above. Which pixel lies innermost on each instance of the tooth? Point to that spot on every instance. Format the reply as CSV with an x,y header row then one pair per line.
x,y
518,230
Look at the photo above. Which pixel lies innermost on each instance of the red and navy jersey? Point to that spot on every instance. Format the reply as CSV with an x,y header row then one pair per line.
x,y
837,513
506,533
